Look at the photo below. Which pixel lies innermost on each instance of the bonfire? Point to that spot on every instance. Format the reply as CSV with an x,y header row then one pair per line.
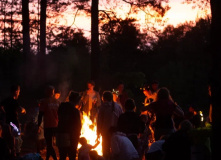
x,y
89,131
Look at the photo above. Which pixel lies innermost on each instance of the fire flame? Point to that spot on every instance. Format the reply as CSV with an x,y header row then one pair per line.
x,y
89,131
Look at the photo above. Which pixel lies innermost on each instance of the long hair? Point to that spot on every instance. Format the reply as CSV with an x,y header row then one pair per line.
x,y
163,93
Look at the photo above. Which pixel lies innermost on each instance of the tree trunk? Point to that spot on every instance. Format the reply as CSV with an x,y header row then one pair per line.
x,y
42,54
11,29
26,43
95,50
43,27
216,76
25,31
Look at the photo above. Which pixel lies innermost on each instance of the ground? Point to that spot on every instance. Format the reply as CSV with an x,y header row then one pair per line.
x,y
29,146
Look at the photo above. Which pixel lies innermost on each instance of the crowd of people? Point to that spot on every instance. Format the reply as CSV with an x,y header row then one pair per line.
x,y
160,130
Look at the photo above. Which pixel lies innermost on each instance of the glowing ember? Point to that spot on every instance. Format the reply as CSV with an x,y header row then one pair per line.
x,y
89,131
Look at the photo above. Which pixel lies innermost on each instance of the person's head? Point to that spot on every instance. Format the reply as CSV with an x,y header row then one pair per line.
x,y
192,110
93,155
74,97
196,121
155,85
185,125
15,91
49,91
83,141
120,86
163,93
90,85
57,94
130,105
107,96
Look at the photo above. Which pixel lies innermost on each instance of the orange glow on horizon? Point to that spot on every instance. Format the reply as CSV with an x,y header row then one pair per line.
x,y
178,14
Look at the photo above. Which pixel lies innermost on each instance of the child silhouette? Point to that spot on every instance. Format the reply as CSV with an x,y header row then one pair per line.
x,y
83,152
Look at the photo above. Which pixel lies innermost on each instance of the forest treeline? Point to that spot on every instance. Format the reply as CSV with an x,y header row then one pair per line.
x,y
180,59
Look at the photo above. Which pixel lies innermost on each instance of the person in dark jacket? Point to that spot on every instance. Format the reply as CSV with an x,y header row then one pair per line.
x,y
130,123
69,127
178,144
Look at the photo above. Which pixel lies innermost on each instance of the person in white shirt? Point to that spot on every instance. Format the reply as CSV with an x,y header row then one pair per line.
x,y
122,148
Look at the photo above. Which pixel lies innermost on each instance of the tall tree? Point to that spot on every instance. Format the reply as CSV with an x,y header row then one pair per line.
x,y
41,72
26,40
95,50
216,76
25,31
43,27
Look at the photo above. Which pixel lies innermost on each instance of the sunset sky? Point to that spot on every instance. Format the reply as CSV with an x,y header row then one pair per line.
x,y
179,13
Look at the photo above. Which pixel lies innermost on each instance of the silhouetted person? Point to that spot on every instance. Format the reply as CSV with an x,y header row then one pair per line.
x,y
164,108
90,101
122,148
95,156
190,113
84,150
48,109
108,115
201,140
130,123
178,144
69,127
4,149
122,95
12,109
8,137
155,151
